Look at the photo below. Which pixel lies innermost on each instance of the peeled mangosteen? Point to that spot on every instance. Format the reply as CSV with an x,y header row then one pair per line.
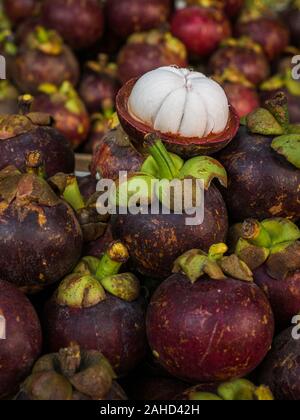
x,y
72,375
21,337
265,29
153,49
201,29
202,122
128,16
100,309
99,86
67,109
30,132
8,98
272,249
40,237
43,58
263,167
281,370
80,22
155,239
237,390
115,153
242,55
19,10
209,322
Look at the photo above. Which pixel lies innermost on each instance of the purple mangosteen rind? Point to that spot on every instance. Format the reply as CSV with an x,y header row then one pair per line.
x,y
185,147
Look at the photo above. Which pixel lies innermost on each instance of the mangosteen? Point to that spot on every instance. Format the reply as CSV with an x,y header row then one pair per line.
x,y
8,98
20,335
69,112
201,29
40,237
209,322
115,153
230,7
281,369
244,56
128,16
241,94
236,390
43,58
153,49
263,166
284,82
100,309
71,375
155,238
29,132
99,86
292,18
100,126
87,186
272,249
80,22
98,247
19,10
265,28
188,111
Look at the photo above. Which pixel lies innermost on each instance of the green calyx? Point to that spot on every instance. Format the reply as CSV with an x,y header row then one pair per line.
x,y
102,65
46,41
273,120
195,264
237,390
68,188
7,42
161,167
273,241
93,277
65,94
244,42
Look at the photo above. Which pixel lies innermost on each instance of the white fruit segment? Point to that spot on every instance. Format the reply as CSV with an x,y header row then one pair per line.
x,y
179,101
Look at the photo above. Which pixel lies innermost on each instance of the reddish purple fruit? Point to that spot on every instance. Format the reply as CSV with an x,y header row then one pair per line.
x,y
128,16
200,29
154,49
281,369
205,330
23,342
244,99
19,10
230,7
100,310
80,22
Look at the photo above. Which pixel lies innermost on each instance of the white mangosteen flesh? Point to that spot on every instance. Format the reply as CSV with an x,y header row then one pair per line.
x,y
179,102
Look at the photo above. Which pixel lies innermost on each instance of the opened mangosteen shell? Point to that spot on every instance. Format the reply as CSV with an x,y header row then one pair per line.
x,y
113,326
183,146
281,369
155,241
23,342
262,184
209,331
56,152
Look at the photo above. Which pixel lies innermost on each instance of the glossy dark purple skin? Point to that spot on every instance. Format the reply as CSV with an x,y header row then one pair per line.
x,y
114,327
284,295
209,331
87,186
23,341
128,16
293,103
262,184
55,149
281,369
18,10
80,22
36,254
155,241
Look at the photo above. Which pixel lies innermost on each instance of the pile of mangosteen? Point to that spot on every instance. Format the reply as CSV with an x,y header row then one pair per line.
x,y
167,266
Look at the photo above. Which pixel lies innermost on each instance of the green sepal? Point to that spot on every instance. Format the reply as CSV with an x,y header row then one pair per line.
x,y
124,286
261,121
288,146
281,230
150,167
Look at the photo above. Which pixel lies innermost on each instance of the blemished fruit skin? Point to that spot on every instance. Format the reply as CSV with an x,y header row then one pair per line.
x,y
128,16
209,331
23,342
200,29
284,295
80,22
281,369
155,241
262,184
114,327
